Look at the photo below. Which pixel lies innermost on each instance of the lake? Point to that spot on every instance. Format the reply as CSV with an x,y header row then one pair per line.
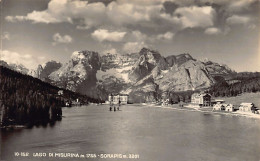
x,y
149,133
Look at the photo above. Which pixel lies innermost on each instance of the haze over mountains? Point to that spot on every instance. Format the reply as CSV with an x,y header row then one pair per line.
x,y
143,75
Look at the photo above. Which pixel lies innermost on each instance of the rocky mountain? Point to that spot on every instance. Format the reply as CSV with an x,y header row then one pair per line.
x,y
143,75
217,69
17,67
36,73
43,73
79,74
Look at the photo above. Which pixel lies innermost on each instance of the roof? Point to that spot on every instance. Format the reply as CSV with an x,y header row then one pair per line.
x,y
230,105
200,94
220,100
205,94
246,104
116,94
195,94
123,94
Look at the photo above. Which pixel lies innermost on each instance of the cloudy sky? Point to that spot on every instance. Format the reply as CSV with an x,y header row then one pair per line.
x,y
225,31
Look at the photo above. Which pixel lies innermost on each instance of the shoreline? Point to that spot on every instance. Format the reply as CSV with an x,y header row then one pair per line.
x,y
205,110
171,107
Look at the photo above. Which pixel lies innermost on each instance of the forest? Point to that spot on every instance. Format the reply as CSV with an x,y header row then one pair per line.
x,y
25,100
242,83
225,86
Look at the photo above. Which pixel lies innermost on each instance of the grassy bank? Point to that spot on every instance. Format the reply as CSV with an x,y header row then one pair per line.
x,y
245,97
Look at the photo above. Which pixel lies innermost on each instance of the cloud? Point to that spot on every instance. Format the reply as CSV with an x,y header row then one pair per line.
x,y
137,36
143,2
86,15
35,16
64,11
129,13
58,39
169,7
131,47
154,16
29,61
14,18
212,31
190,17
236,19
166,36
240,5
5,36
105,35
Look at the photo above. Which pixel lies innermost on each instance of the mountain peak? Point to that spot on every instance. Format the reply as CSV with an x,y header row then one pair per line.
x,y
40,67
17,67
147,50
79,55
149,55
184,55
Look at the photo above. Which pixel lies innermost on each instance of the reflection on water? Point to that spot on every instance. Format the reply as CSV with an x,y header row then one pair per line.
x,y
153,133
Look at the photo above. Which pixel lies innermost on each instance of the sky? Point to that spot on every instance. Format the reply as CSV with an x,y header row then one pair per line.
x,y
224,31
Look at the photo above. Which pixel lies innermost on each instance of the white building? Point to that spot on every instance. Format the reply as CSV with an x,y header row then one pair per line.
x,y
229,108
223,107
202,99
118,98
219,107
247,107
60,92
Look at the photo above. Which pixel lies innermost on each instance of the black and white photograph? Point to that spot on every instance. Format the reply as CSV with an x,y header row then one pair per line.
x,y
129,80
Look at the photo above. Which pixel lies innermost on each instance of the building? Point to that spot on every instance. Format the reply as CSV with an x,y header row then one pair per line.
x,y
219,107
247,107
223,107
214,102
60,92
165,102
202,99
116,98
229,108
220,101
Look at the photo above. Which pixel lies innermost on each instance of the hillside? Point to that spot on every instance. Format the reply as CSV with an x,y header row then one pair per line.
x,y
28,100
236,84
245,97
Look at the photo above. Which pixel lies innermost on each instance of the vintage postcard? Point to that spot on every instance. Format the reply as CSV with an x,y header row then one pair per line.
x,y
130,80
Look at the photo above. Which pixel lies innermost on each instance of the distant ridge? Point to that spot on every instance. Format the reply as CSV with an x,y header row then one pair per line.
x,y
141,75
144,75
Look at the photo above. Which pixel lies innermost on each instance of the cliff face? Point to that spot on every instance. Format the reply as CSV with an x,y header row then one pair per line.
x,y
49,68
155,74
142,75
79,74
217,69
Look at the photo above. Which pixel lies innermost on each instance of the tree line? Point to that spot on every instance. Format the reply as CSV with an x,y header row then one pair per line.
x,y
243,82
28,100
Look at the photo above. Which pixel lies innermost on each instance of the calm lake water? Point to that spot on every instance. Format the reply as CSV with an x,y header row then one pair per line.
x,y
155,134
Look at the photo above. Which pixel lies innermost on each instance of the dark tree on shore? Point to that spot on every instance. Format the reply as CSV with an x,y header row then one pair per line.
x,y
28,100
